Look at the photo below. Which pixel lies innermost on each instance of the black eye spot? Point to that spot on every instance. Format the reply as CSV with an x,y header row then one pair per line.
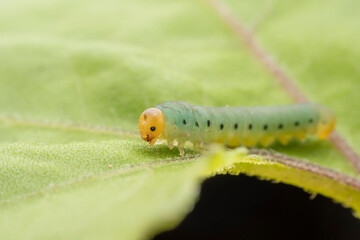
x,y
250,126
280,126
297,124
184,122
265,127
197,124
208,123
310,120
236,126
153,128
221,126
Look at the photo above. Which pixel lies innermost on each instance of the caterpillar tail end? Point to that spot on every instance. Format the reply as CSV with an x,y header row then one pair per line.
x,y
325,129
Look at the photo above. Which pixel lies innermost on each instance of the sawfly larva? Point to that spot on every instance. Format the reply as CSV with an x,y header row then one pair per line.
x,y
233,126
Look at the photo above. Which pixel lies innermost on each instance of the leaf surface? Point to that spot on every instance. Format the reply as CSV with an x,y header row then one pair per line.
x,y
75,76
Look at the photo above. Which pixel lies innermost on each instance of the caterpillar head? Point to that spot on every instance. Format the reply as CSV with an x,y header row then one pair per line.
x,y
151,124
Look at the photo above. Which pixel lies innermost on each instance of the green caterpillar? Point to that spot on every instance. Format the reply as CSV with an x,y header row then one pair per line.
x,y
233,126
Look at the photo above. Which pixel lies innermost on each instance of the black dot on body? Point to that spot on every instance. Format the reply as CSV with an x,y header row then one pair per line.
x,y
208,123
250,126
184,122
197,124
153,128
235,126
221,126
265,127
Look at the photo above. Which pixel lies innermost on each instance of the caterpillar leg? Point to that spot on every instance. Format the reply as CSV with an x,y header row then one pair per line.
x,y
199,147
181,148
170,143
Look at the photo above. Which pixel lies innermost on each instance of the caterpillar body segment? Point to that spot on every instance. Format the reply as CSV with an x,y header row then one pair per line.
x,y
233,126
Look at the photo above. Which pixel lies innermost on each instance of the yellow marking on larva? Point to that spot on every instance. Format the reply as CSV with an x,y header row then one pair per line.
x,y
220,140
311,131
250,141
267,140
284,138
300,135
234,142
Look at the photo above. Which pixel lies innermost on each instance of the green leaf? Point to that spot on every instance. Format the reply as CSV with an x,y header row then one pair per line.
x,y
75,76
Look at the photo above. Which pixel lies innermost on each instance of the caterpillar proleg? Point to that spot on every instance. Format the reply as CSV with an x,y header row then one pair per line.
x,y
233,126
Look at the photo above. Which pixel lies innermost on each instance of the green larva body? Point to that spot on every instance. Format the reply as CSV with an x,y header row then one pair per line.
x,y
247,126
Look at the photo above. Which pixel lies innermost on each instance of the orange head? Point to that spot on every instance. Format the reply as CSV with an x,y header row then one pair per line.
x,y
151,124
